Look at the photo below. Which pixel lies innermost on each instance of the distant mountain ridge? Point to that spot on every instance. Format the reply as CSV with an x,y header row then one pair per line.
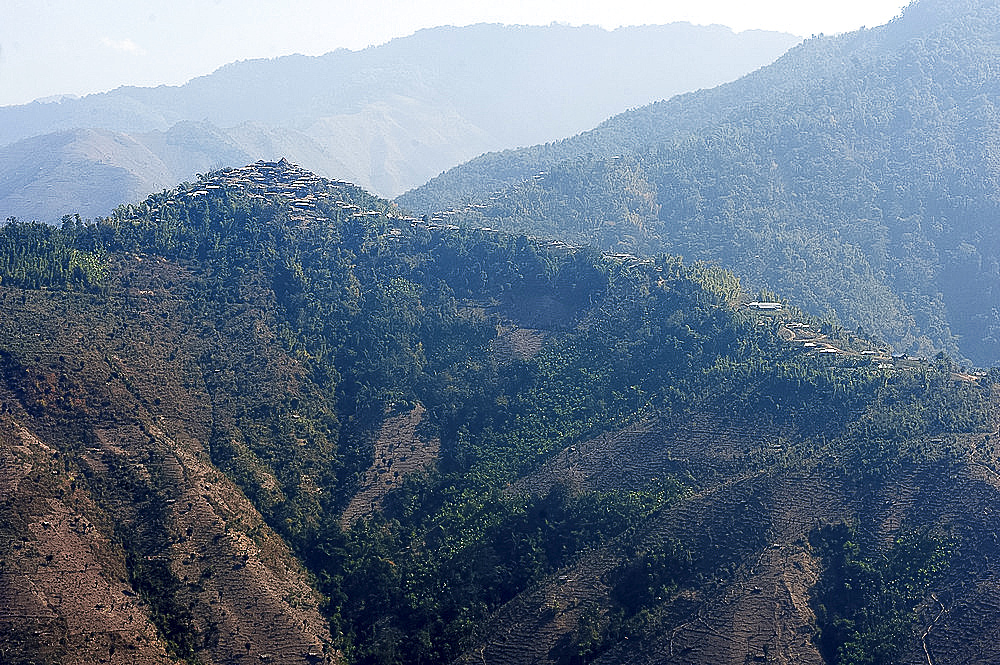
x,y
387,118
858,173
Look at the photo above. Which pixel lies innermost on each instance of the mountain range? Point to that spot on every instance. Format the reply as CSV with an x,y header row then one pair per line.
x,y
266,417
387,117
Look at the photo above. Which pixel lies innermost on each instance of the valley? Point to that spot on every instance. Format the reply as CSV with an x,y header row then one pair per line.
x,y
386,118
851,176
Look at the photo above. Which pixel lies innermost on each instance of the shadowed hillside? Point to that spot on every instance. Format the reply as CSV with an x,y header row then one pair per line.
x,y
857,174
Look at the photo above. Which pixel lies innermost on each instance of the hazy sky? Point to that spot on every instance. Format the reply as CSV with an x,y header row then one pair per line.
x,y
50,47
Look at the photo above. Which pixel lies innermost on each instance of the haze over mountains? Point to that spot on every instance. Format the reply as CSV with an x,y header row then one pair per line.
x,y
857,175
387,117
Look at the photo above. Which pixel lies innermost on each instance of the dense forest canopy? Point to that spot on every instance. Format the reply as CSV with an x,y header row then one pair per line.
x,y
857,174
316,316
629,399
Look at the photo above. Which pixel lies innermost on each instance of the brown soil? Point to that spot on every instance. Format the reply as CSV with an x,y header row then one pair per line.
x,y
63,579
751,520
400,450
516,343
124,410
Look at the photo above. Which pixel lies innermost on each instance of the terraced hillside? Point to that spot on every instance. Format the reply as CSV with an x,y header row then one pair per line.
x,y
264,417
122,540
752,518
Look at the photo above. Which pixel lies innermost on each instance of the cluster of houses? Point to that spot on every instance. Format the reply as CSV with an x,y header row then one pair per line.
x,y
303,190
817,343
310,196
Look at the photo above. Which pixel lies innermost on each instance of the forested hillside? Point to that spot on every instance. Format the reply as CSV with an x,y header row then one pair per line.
x,y
263,417
387,117
858,175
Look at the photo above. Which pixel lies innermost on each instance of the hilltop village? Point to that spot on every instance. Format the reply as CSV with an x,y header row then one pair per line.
x,y
310,198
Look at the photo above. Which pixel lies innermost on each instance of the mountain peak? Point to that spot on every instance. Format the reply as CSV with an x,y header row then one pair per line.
x,y
388,117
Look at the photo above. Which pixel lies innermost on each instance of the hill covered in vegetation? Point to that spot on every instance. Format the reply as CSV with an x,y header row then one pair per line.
x,y
264,417
857,175
387,118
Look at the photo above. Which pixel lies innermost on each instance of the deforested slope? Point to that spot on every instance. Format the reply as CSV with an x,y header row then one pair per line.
x,y
265,417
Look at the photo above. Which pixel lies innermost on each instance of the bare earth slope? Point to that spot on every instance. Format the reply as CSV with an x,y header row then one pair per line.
x,y
750,517
142,551
161,425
